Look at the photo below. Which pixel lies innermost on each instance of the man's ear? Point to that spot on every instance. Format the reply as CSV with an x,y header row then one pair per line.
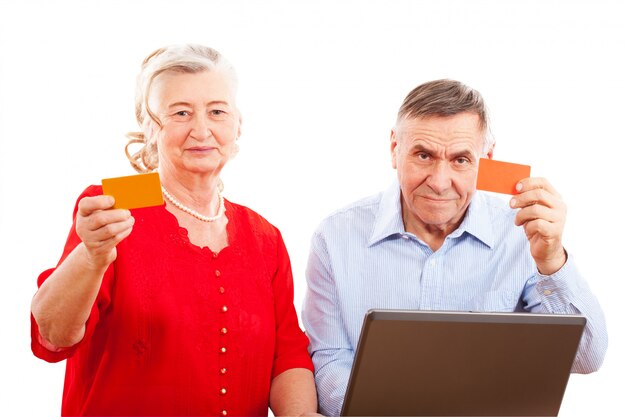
x,y
490,151
393,141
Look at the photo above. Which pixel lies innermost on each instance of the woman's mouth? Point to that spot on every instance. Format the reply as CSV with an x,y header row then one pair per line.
x,y
199,149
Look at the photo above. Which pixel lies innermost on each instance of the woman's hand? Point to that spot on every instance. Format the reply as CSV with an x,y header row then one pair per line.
x,y
101,228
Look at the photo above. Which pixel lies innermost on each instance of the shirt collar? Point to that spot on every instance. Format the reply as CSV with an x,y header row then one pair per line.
x,y
477,221
389,222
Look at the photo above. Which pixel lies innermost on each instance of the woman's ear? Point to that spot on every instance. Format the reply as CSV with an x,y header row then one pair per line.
x,y
240,120
152,132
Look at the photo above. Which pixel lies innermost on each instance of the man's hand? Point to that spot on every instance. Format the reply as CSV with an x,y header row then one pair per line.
x,y
542,213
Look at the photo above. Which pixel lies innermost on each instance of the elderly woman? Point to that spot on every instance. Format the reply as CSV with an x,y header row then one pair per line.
x,y
184,308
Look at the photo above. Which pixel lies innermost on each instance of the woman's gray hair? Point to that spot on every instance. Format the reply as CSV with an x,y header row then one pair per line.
x,y
179,58
447,98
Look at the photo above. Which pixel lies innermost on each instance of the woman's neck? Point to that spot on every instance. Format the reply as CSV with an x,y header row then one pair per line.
x,y
198,192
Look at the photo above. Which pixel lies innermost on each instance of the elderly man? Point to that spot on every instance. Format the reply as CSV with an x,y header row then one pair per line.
x,y
432,242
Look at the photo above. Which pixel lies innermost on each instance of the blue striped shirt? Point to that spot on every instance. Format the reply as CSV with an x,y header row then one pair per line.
x,y
362,258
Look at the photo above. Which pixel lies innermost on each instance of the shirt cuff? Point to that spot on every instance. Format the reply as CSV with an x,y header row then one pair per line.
x,y
557,291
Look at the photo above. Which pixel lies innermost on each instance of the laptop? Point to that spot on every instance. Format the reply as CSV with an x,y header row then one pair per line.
x,y
433,363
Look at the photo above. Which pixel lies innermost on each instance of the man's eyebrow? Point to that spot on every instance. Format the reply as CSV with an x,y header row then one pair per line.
x,y
462,152
421,147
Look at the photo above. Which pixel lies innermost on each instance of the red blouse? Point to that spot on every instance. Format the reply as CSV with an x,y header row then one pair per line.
x,y
180,330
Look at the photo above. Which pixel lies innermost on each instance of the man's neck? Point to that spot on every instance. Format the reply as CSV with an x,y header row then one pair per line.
x,y
432,235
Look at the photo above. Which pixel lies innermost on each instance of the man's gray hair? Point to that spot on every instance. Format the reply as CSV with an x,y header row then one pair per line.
x,y
447,98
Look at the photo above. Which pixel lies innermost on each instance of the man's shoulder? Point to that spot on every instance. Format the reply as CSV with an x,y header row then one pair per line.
x,y
369,203
492,212
493,206
363,206
361,211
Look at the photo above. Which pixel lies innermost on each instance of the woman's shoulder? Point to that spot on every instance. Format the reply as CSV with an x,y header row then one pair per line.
x,y
90,191
248,218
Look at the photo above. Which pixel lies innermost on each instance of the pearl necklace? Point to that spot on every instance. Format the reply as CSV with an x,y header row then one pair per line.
x,y
180,206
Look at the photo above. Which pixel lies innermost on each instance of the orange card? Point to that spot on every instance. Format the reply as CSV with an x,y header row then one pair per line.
x,y
500,177
134,191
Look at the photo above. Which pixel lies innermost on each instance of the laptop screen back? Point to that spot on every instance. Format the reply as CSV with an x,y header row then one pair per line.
x,y
417,363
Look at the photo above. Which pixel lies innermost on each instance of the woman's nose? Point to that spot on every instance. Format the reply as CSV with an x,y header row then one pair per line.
x,y
201,127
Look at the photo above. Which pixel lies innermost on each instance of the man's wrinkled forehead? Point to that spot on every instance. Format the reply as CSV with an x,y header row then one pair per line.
x,y
462,124
442,132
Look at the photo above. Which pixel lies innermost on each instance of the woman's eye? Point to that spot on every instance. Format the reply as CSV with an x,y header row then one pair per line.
x,y
218,114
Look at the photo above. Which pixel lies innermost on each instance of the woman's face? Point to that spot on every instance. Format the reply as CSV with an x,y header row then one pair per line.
x,y
200,122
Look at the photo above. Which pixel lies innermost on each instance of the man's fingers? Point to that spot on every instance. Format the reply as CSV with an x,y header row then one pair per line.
x,y
536,196
533,183
540,227
537,212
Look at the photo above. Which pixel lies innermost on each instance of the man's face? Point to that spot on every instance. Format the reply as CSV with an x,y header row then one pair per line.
x,y
437,162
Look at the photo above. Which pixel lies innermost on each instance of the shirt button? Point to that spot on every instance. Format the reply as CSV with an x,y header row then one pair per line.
x,y
433,262
547,292
223,391
214,255
217,273
405,237
222,350
222,290
223,330
224,413
224,309
222,371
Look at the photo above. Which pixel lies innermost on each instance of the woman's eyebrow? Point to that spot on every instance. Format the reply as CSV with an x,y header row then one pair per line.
x,y
178,104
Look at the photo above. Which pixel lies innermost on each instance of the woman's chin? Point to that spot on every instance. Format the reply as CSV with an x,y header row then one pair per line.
x,y
202,168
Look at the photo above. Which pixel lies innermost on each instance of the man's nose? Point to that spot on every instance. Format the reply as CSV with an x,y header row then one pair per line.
x,y
440,177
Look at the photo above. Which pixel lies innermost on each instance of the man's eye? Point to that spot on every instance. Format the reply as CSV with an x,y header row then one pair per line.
x,y
217,112
182,113
463,163
423,156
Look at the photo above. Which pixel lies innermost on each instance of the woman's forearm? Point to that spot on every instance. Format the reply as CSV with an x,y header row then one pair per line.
x,y
63,303
292,393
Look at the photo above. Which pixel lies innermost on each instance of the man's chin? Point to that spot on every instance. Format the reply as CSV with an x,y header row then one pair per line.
x,y
439,218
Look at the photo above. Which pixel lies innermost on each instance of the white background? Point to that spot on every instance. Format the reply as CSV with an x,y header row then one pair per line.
x,y
320,83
